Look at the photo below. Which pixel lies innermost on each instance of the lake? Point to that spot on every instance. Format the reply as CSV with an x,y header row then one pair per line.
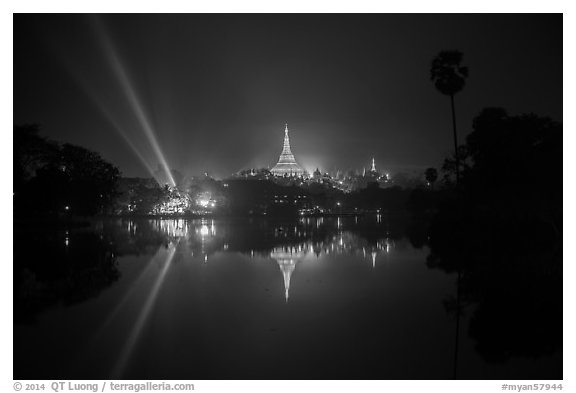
x,y
308,298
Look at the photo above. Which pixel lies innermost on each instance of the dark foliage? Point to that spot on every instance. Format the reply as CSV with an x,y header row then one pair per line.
x,y
54,180
448,75
31,152
431,175
501,230
63,267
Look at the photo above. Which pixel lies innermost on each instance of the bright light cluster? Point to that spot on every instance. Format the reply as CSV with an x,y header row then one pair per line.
x,y
206,201
176,204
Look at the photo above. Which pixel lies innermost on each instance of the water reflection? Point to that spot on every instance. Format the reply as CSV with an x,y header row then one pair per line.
x,y
65,267
217,286
134,334
286,243
287,258
291,242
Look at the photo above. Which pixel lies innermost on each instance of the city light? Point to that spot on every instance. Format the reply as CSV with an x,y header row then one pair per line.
x,y
177,203
204,231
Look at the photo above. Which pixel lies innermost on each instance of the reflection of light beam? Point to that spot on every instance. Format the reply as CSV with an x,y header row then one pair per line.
x,y
135,285
142,317
130,93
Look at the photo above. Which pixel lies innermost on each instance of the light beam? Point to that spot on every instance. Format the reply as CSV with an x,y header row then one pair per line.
x,y
132,97
98,103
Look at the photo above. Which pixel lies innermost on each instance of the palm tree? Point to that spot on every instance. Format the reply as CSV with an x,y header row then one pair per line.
x,y
431,175
449,78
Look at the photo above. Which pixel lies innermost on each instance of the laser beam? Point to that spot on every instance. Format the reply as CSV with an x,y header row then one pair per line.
x,y
130,94
83,84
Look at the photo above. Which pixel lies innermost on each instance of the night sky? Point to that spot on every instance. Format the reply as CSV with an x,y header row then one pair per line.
x,y
217,89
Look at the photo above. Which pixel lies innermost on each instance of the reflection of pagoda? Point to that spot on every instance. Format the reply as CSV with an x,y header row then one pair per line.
x,y
287,259
287,165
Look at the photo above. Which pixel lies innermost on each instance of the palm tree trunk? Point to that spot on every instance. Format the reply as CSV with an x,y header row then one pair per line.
x,y
455,140
457,158
456,339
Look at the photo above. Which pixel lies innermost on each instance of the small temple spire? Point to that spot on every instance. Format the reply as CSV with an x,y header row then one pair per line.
x,y
373,165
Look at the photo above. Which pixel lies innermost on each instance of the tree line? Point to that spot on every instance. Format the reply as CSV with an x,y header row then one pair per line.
x,y
56,180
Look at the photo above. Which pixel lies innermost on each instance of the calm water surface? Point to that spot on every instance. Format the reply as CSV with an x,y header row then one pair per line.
x,y
319,298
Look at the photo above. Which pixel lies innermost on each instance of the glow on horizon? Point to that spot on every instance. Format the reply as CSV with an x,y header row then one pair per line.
x,y
133,99
309,163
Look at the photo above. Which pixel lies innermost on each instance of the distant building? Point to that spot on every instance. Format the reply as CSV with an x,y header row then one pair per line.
x,y
373,167
287,165
370,177
317,176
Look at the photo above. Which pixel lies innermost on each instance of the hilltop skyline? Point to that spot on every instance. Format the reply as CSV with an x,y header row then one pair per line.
x,y
216,90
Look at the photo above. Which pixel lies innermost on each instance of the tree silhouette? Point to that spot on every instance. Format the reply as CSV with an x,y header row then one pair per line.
x,y
449,78
431,175
52,179
30,153
502,234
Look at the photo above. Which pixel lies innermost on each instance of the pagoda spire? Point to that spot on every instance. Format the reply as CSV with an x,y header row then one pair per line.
x,y
373,165
286,151
286,163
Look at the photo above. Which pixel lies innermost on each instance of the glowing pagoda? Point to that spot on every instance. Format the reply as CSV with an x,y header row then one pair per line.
x,y
287,165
